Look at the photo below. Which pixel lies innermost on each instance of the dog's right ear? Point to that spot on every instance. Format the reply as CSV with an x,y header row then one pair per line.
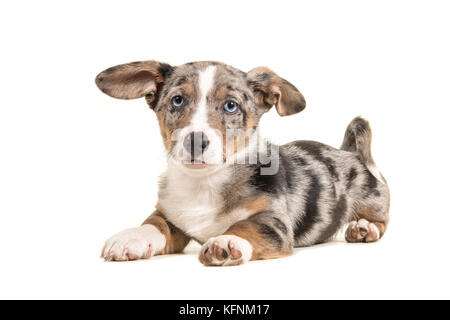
x,y
134,80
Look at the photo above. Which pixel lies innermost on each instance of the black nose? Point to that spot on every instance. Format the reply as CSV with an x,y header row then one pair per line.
x,y
196,143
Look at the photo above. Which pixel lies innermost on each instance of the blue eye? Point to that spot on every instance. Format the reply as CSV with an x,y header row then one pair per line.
x,y
177,101
230,107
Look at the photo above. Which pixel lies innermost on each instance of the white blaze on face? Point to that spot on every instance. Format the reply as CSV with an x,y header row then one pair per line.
x,y
199,122
205,83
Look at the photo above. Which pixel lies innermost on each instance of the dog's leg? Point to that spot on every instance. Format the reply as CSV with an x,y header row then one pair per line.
x,y
263,236
155,236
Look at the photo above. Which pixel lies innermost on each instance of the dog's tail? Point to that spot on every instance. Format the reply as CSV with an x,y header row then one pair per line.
x,y
358,139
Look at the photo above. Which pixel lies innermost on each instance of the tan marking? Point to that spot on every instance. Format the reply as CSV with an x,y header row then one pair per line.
x,y
257,205
254,205
221,93
176,240
262,249
215,122
166,132
188,89
251,122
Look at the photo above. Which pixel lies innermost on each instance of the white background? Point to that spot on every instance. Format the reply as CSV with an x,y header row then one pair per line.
x,y
77,166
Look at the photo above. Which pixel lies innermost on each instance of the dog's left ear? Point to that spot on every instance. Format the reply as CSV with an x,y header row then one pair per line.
x,y
270,89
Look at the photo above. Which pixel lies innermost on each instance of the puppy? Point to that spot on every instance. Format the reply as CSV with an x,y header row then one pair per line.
x,y
240,196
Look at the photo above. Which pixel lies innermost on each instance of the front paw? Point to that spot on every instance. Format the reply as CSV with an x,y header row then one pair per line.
x,y
226,250
133,244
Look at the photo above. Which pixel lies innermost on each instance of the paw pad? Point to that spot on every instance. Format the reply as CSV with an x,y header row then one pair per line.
x,y
224,251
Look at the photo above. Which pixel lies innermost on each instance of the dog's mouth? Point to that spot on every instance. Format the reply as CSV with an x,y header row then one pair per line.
x,y
196,164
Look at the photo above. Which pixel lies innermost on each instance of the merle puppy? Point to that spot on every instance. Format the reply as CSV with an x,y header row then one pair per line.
x,y
238,195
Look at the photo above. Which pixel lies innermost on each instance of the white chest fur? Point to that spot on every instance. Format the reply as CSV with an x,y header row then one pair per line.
x,y
193,203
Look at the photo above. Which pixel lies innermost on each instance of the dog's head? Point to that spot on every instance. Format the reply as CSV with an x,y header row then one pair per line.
x,y
207,111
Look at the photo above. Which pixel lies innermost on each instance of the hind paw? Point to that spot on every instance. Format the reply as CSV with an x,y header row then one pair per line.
x,y
362,231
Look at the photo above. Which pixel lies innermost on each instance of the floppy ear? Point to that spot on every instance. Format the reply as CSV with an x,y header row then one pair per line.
x,y
134,80
270,89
